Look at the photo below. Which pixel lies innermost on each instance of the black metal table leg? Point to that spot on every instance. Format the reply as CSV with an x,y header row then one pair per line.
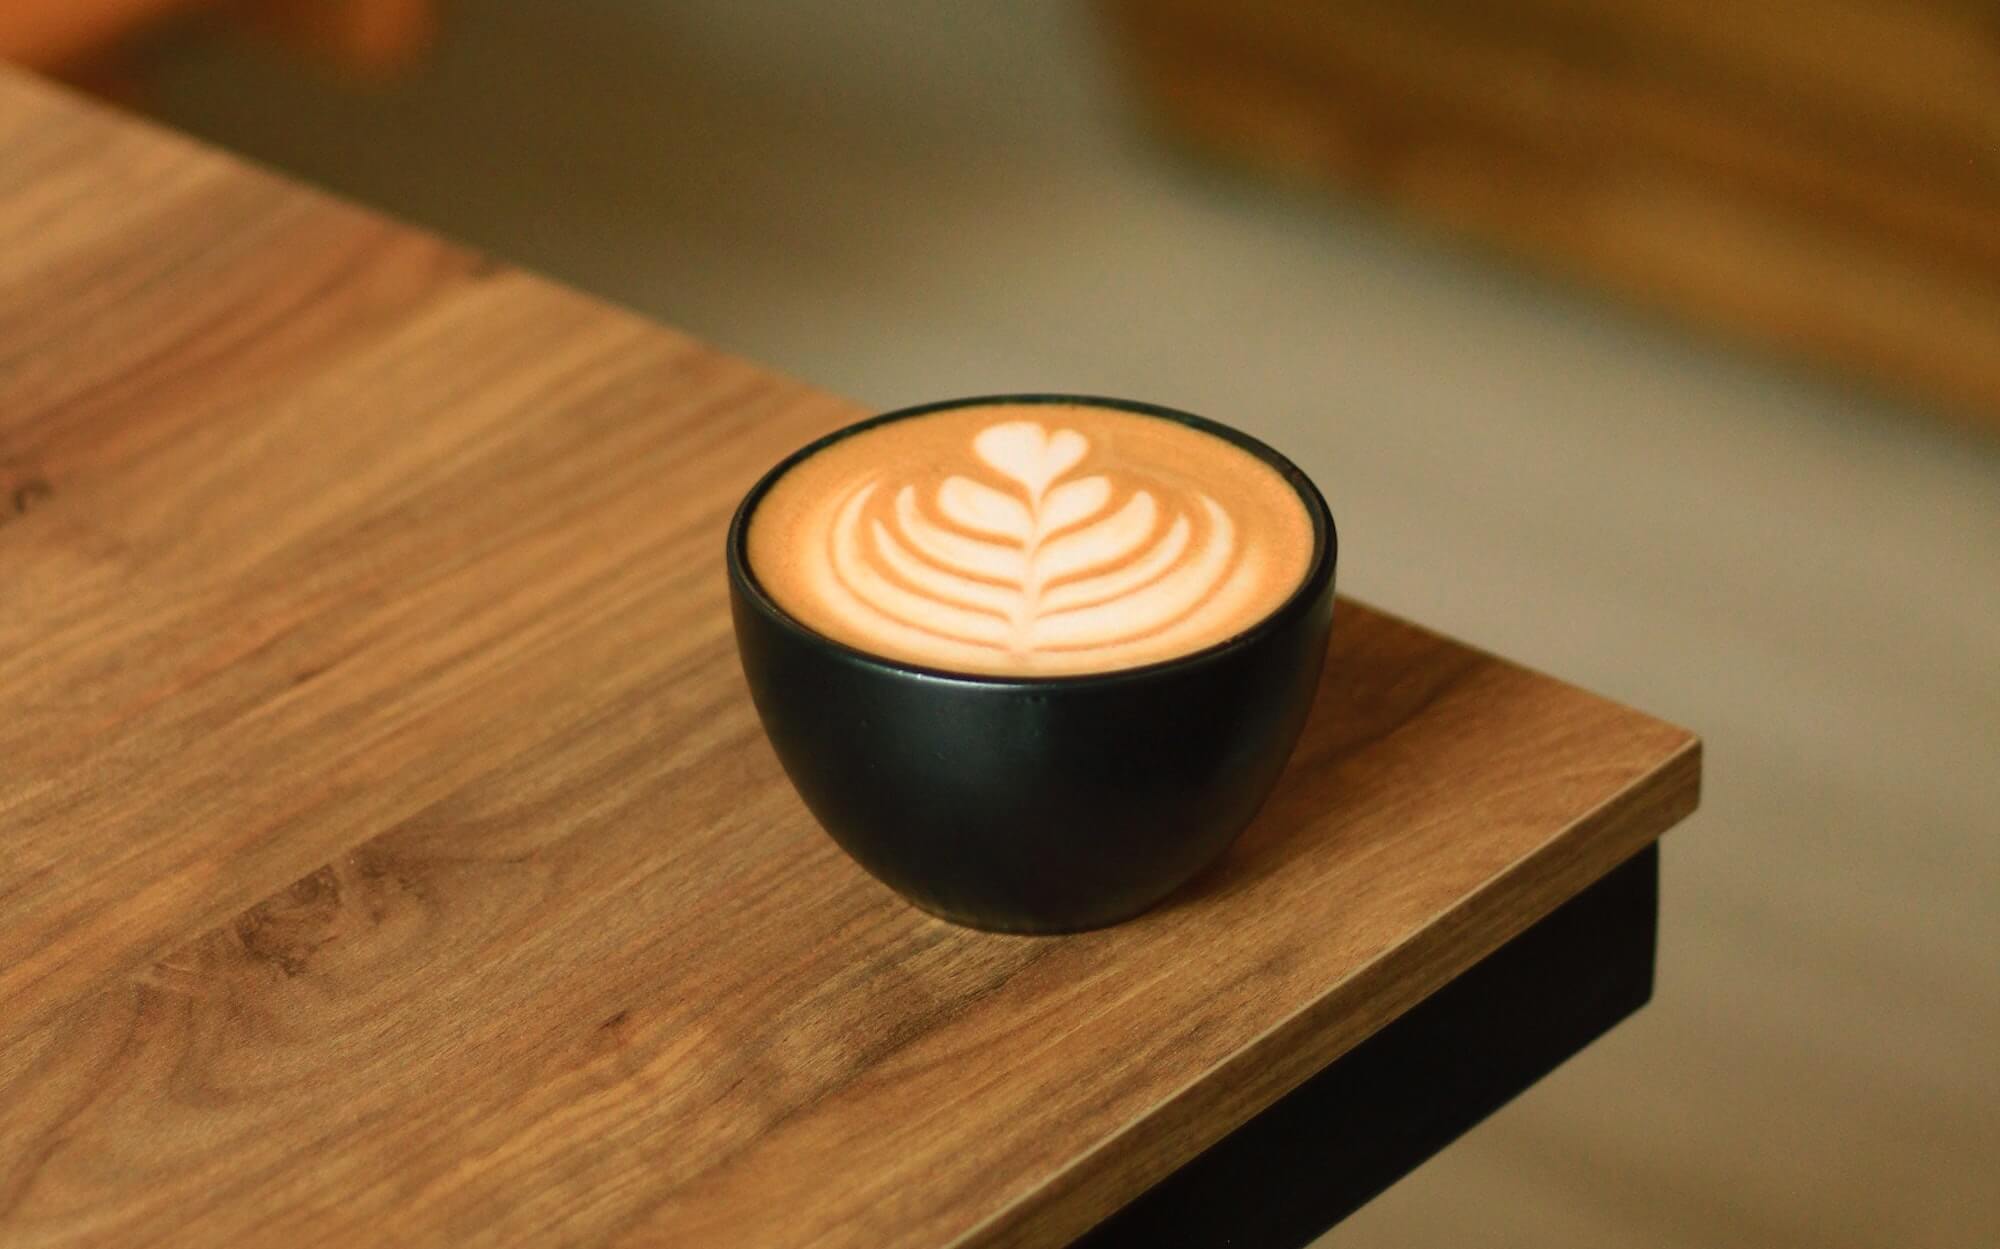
x,y
1377,1113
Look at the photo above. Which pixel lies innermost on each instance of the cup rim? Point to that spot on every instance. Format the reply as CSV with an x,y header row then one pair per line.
x,y
1326,549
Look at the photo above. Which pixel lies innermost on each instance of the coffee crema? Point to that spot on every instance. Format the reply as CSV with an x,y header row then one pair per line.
x,y
1035,539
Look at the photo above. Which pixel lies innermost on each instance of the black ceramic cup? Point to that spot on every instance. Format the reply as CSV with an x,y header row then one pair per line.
x,y
1036,804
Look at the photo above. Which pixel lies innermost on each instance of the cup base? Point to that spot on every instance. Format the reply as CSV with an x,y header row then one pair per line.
x,y
1033,928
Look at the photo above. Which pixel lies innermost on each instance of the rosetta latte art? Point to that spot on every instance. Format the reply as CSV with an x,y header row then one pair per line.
x,y
1030,539
1051,564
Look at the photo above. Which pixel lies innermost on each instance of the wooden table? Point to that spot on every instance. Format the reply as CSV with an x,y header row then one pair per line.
x,y
389,852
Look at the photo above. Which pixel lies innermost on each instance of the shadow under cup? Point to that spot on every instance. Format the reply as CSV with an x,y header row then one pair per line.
x,y
1036,804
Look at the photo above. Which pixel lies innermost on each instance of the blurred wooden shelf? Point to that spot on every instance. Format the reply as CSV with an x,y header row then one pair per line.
x,y
1818,177
390,842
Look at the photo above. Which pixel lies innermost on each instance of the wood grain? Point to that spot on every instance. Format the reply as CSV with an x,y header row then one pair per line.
x,y
390,843
1836,195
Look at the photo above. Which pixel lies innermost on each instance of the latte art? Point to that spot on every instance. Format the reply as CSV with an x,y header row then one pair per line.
x,y
1031,541
1053,565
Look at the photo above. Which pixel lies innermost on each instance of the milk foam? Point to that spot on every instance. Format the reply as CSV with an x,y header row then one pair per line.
x,y
1023,545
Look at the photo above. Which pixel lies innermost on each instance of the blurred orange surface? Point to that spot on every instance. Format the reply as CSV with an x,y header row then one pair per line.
x,y
75,37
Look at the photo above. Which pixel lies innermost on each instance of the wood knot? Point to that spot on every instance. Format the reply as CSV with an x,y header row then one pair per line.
x,y
31,493
288,929
23,497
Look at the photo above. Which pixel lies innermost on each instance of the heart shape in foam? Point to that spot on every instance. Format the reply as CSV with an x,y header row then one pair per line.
x,y
1030,454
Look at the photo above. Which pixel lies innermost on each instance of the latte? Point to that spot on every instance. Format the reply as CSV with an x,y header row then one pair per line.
x,y
1031,539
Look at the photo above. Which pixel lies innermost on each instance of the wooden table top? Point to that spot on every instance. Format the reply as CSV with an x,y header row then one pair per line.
x,y
389,850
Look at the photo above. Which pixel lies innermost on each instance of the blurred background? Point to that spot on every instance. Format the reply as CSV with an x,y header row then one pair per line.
x,y
1653,343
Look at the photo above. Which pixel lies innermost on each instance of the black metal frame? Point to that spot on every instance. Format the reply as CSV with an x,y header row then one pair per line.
x,y
1381,1110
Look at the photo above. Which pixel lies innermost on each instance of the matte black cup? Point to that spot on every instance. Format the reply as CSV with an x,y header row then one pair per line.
x,y
1036,804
